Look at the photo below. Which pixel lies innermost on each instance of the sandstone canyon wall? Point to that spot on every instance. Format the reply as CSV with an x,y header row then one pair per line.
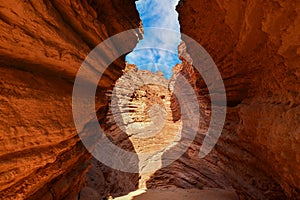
x,y
43,44
255,45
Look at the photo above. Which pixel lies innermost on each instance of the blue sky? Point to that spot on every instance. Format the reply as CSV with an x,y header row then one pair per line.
x,y
160,14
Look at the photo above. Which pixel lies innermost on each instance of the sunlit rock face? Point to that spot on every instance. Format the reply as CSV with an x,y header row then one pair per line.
x,y
43,44
255,45
139,119
190,171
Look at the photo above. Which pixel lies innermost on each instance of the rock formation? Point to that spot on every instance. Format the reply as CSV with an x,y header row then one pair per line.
x,y
43,44
255,45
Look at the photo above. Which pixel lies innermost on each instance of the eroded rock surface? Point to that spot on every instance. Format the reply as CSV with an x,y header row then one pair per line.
x,y
190,171
140,120
255,45
42,46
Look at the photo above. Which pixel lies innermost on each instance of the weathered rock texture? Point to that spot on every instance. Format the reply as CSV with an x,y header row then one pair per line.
x,y
255,45
139,119
42,46
189,171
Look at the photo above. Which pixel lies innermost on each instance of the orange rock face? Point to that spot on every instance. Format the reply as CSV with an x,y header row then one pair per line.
x,y
42,46
255,45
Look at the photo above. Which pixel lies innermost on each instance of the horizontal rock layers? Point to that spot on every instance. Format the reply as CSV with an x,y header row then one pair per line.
x,y
43,44
255,45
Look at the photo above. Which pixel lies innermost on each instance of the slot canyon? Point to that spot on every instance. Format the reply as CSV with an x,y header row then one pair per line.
x,y
255,45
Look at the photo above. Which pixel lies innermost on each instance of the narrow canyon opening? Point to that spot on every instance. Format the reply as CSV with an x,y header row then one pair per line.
x,y
255,47
144,115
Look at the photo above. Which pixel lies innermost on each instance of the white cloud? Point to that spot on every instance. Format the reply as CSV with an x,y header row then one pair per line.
x,y
160,14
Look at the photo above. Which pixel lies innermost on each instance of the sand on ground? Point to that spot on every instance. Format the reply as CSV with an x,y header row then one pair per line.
x,y
180,194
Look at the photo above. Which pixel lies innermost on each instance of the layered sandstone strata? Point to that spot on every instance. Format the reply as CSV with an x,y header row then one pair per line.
x,y
43,44
139,119
255,45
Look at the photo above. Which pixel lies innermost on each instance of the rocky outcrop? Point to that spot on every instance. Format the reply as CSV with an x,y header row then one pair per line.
x,y
190,171
43,44
255,45
145,111
139,119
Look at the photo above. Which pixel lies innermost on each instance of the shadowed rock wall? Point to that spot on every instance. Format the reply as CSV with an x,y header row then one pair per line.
x,y
42,46
255,45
